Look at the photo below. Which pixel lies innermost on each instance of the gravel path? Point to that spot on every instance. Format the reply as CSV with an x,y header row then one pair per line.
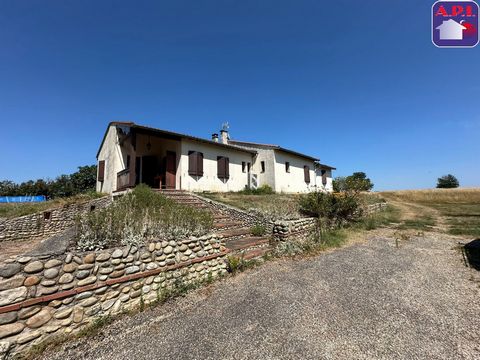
x,y
366,301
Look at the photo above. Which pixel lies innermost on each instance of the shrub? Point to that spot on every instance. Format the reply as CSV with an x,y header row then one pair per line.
x,y
447,182
258,230
332,210
262,190
139,216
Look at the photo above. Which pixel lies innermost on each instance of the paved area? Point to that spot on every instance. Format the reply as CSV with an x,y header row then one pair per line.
x,y
367,301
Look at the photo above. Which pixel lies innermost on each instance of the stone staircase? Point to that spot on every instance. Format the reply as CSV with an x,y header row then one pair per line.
x,y
236,234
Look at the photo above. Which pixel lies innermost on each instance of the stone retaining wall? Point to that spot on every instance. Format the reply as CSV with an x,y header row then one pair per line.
x,y
49,222
42,298
300,229
293,229
373,208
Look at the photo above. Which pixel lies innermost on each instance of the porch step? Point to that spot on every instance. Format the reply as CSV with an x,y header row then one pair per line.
x,y
248,242
256,253
226,225
225,234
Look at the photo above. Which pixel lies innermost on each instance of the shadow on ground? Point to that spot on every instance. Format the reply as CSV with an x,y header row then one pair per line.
x,y
472,251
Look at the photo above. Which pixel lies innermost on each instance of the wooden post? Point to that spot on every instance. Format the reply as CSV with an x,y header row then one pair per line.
x,y
133,159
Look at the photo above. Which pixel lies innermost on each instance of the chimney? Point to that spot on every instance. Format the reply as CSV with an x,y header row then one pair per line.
x,y
215,137
224,136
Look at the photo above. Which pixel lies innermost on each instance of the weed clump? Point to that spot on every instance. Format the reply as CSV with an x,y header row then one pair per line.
x,y
139,216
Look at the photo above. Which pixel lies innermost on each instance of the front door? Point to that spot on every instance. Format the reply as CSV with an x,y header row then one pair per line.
x,y
171,170
149,170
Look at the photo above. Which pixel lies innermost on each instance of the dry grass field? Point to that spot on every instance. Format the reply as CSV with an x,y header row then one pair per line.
x,y
280,206
456,211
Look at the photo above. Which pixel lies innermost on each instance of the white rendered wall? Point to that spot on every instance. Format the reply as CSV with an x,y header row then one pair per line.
x,y
293,181
209,181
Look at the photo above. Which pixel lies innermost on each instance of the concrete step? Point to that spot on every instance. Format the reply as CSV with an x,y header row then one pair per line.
x,y
247,242
241,231
227,225
256,253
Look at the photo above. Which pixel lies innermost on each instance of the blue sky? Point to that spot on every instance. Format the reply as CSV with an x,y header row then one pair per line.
x,y
358,84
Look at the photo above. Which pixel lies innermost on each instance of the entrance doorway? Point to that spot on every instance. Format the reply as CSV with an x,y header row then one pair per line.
x,y
171,170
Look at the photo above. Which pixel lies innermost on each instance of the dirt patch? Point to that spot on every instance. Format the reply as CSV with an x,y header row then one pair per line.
x,y
17,247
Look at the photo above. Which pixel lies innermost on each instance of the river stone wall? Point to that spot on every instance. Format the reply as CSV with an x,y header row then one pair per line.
x,y
46,297
49,222
300,229
293,229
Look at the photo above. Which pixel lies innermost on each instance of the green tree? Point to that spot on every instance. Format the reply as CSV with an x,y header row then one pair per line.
x,y
81,181
356,182
447,182
84,179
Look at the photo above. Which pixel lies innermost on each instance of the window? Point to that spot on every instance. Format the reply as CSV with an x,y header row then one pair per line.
x,y
223,164
101,171
249,166
287,166
262,164
195,163
306,171
244,166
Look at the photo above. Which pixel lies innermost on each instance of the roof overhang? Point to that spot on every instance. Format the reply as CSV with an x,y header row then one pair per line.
x,y
140,129
273,147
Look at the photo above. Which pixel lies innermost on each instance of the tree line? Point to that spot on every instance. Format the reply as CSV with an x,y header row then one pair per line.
x,y
81,181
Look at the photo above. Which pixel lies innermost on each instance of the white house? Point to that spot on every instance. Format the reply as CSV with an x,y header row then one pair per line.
x,y
451,30
131,154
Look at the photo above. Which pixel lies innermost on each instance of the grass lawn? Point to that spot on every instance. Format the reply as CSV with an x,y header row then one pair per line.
x,y
278,206
458,209
12,210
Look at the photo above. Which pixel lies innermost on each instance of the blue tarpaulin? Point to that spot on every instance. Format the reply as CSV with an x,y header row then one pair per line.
x,y
22,199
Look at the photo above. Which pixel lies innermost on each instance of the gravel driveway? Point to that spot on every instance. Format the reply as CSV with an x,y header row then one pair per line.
x,y
365,301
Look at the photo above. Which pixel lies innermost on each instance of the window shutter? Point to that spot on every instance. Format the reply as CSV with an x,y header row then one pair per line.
x,y
101,170
324,177
306,171
227,168
192,163
220,167
199,164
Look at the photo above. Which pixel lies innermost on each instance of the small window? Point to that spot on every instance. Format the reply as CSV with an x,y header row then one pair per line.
x,y
287,167
47,215
244,166
306,170
262,164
